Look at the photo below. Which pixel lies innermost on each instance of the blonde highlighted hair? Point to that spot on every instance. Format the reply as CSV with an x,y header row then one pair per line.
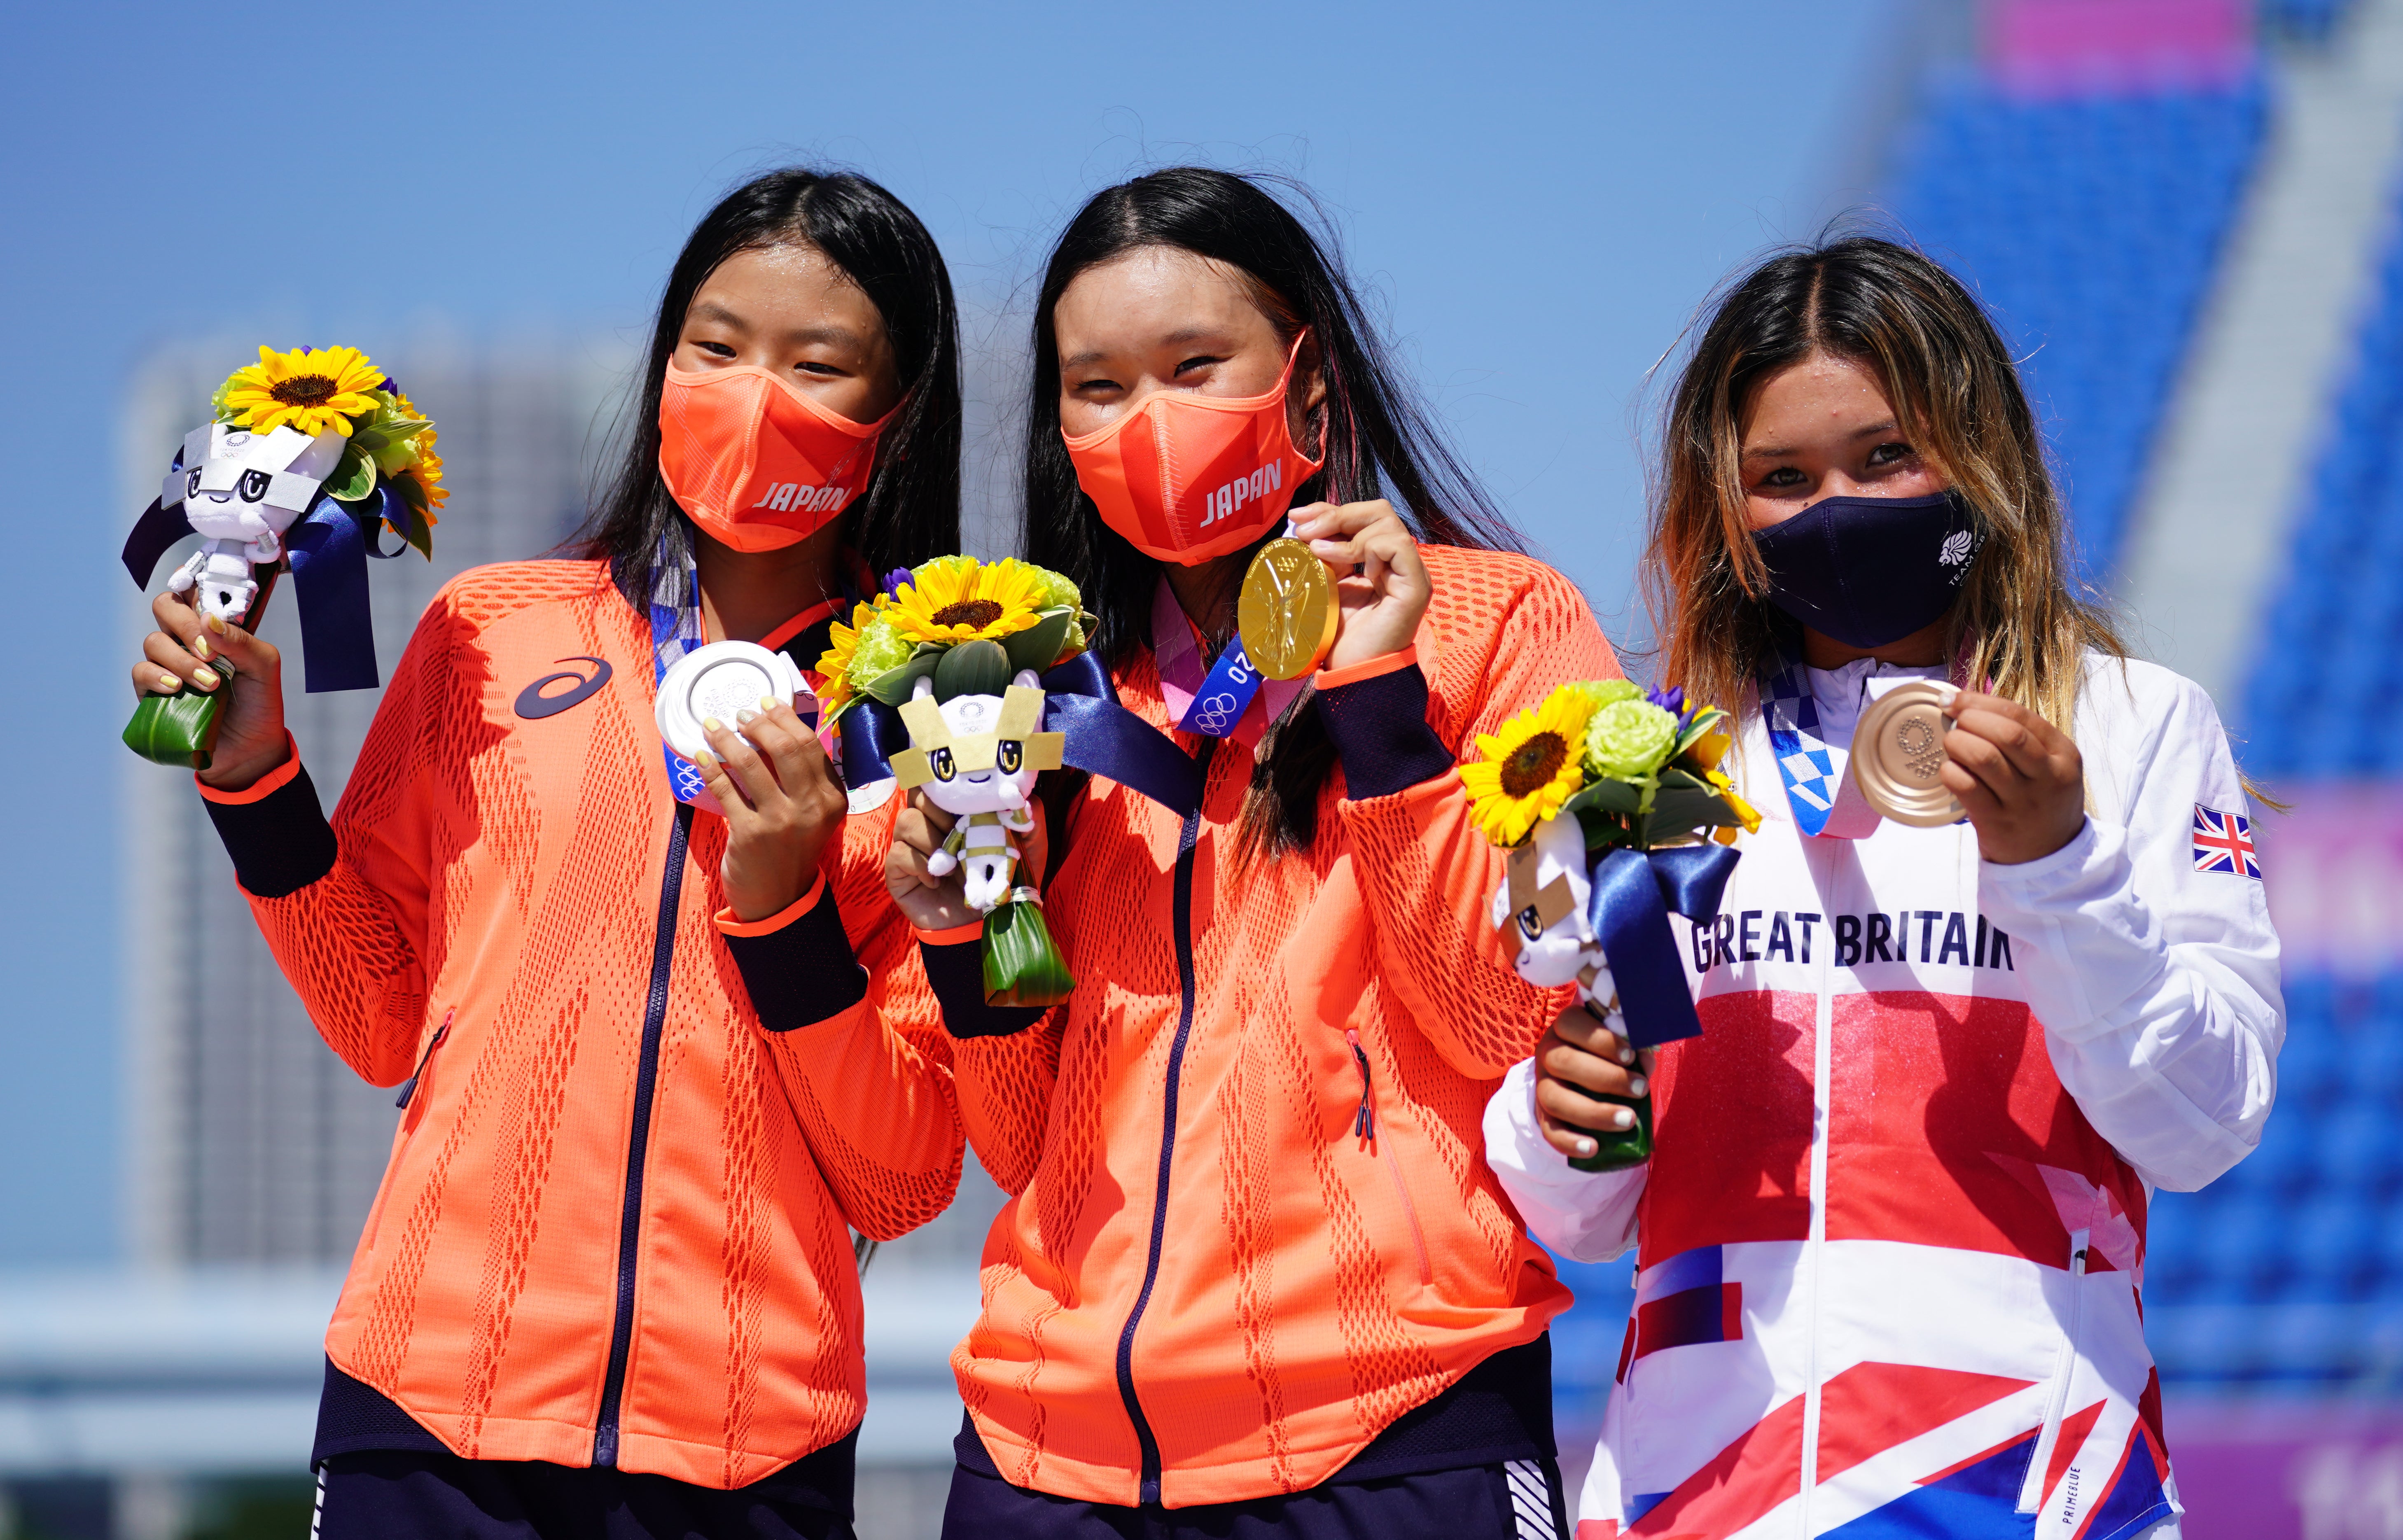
x,y
2021,623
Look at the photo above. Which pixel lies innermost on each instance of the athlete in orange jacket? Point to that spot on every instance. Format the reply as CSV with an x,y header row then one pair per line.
x,y
1256,1270
608,1273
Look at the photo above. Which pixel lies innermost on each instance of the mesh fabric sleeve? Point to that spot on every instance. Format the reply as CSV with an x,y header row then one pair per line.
x,y
1426,873
869,1082
352,942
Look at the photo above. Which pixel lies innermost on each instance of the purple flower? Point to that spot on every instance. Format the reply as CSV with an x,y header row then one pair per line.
x,y
893,581
1671,701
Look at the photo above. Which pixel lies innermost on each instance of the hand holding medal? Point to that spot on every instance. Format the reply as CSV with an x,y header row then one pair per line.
x,y
1364,600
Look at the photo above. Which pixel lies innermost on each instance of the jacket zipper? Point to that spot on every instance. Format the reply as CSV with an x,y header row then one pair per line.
x,y
1147,1494
630,1219
2040,1459
1364,1126
409,1086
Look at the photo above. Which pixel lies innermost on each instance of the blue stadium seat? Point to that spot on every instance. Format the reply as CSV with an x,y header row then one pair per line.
x,y
2089,228
2344,577
2332,1250
2360,1148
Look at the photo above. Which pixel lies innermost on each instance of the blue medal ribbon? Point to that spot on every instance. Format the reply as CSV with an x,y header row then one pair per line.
x,y
1101,737
1791,714
1225,695
1634,893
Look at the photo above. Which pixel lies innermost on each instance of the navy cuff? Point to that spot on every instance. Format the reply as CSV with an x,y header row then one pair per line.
x,y
957,973
1381,731
801,974
280,843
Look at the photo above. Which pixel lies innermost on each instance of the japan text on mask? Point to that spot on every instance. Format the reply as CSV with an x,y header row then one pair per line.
x,y
1185,478
756,460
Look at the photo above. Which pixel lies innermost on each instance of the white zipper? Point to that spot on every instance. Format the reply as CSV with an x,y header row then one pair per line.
x,y
1814,1249
2032,1488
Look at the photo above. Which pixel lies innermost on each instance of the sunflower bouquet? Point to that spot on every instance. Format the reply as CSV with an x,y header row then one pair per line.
x,y
1638,768
308,456
1585,898
955,649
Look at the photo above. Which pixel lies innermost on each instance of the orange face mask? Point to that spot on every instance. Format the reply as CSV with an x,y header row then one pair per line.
x,y
1185,478
755,461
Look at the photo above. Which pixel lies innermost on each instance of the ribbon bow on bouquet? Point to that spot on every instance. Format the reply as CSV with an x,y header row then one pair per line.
x,y
1614,814
965,679
307,454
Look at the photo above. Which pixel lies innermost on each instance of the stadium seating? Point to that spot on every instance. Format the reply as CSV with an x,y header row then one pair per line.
x,y
2304,1224
2310,20
2089,226
2323,696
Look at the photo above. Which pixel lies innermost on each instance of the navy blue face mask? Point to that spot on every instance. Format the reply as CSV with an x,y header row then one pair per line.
x,y
1869,571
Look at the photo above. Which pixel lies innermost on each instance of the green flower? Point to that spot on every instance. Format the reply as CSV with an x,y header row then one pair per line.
x,y
1628,739
1607,692
881,649
1057,591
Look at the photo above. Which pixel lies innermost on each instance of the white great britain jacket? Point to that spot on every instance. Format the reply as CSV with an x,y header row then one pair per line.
x,y
1891,1236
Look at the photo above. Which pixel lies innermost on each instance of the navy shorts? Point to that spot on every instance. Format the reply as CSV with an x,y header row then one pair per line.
x,y
1514,1500
1476,1462
408,1494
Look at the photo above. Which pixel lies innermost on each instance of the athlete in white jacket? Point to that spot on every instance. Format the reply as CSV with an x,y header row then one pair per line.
x,y
1892,1235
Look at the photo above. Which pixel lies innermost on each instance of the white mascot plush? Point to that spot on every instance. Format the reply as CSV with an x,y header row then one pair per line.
x,y
975,755
241,491
1540,909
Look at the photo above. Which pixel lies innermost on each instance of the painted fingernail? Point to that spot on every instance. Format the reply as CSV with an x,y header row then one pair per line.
x,y
1586,1147
204,679
1636,1085
1621,1118
199,647
745,717
767,702
169,684
213,624
1626,1051
705,759
711,724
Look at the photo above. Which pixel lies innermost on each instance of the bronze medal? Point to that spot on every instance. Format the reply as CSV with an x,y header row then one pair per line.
x,y
1287,613
1898,751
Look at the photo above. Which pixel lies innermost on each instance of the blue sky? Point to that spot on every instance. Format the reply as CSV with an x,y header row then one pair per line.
x,y
1538,195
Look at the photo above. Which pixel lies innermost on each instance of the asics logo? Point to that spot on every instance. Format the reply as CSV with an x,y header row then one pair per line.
x,y
533,705
1223,503
782,495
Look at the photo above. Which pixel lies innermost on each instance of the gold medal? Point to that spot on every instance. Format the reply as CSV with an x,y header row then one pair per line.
x,y
1287,613
1898,751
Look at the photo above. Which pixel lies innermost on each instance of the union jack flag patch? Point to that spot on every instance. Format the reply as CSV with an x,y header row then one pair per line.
x,y
2223,842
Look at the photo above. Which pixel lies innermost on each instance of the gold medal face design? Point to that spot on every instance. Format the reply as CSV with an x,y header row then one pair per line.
x,y
1898,751
1287,613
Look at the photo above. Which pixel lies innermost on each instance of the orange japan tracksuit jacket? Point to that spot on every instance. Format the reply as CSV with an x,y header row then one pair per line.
x,y
1210,1287
613,1227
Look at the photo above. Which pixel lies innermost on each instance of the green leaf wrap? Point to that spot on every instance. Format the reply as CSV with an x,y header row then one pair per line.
x,y
177,729
1022,966
1616,1149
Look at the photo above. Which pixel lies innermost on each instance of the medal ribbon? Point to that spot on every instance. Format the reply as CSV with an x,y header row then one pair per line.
x,y
1218,704
1823,799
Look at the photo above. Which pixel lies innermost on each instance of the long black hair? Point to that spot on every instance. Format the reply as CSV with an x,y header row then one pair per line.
x,y
1375,436
912,510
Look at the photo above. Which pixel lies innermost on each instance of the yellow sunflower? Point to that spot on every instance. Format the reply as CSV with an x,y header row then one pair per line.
x,y
312,389
834,664
960,599
1529,769
428,465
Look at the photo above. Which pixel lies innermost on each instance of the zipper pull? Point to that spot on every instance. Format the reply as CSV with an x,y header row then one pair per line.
x,y
1364,1123
409,1086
